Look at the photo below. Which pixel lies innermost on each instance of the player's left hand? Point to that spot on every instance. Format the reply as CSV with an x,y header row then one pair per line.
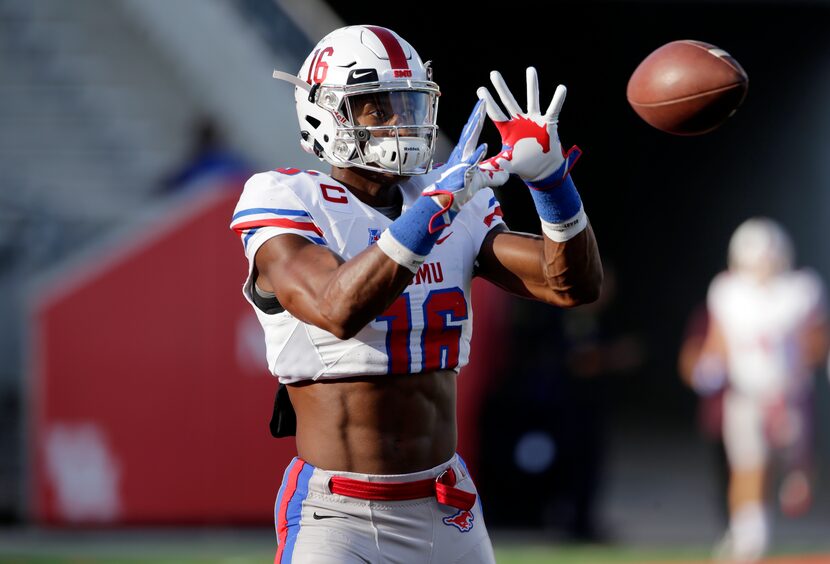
x,y
530,140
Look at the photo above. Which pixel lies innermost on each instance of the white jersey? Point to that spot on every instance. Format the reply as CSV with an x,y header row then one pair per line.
x,y
429,325
762,325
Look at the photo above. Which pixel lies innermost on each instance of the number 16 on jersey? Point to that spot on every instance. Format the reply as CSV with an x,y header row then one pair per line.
x,y
440,330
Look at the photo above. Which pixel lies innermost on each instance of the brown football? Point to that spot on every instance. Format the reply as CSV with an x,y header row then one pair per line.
x,y
687,87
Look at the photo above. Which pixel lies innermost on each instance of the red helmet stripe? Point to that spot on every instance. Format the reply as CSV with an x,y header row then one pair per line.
x,y
393,48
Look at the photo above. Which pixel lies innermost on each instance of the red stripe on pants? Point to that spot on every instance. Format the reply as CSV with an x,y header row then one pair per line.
x,y
282,519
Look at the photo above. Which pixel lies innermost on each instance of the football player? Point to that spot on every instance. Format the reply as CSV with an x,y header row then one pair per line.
x,y
767,334
361,278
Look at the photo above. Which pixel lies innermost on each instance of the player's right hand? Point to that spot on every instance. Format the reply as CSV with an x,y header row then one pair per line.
x,y
466,152
461,181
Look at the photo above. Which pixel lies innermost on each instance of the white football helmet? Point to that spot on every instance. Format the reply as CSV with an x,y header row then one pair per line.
x,y
365,99
760,247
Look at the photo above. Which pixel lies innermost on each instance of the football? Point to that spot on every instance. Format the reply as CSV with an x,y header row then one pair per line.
x,y
687,87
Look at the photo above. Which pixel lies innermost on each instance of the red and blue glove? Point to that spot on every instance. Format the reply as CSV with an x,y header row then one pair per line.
x,y
531,149
410,238
462,175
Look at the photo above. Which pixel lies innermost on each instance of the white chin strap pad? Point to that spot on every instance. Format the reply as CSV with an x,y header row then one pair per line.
x,y
383,152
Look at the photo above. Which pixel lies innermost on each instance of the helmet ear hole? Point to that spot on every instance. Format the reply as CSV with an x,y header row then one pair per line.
x,y
313,121
312,94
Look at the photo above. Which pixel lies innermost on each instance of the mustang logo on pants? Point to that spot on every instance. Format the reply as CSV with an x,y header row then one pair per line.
x,y
463,520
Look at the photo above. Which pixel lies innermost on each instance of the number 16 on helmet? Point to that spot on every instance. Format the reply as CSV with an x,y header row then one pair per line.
x,y
365,99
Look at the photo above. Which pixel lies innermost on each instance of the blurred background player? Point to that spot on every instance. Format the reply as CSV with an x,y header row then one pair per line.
x,y
767,333
210,159
361,281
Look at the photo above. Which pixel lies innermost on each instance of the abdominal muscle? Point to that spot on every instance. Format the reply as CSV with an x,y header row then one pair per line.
x,y
389,424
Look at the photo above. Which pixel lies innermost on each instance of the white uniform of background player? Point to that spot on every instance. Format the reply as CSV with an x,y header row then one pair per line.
x,y
767,324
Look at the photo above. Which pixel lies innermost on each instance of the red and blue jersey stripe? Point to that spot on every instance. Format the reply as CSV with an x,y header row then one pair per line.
x,y
248,221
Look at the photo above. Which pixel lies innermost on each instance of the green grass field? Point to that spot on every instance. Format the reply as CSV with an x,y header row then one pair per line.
x,y
528,555
24,545
537,554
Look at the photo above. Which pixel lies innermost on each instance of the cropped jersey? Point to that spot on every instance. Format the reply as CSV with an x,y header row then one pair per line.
x,y
762,326
428,327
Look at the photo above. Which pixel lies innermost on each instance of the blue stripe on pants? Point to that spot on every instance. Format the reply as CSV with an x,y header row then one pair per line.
x,y
294,512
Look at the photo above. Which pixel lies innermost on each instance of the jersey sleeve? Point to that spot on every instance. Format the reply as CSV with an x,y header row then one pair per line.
x,y
482,214
717,295
269,207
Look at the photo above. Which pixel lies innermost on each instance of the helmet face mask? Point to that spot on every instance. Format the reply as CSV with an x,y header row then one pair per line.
x,y
389,130
364,99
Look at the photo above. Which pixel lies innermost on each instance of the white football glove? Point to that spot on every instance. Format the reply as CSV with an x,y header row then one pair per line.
x,y
530,141
462,175
461,181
